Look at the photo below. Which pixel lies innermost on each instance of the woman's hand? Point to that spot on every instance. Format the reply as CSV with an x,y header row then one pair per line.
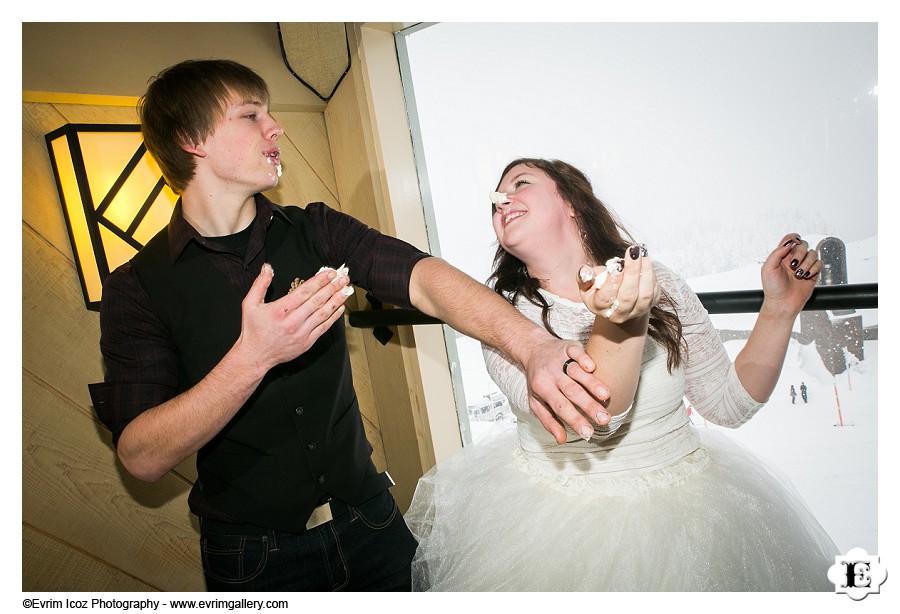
x,y
623,290
789,275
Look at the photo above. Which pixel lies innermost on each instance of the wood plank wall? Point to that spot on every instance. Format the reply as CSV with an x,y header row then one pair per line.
x,y
86,524
389,386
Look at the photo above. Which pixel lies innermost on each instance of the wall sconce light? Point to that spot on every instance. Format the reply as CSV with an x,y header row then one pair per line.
x,y
113,196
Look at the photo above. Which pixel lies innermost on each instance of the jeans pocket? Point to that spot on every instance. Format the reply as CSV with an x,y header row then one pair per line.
x,y
234,558
378,512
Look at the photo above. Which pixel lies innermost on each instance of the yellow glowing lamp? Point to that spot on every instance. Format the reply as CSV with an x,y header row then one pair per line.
x,y
113,195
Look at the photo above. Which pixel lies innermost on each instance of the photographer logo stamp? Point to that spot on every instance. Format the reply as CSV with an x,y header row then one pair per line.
x,y
857,574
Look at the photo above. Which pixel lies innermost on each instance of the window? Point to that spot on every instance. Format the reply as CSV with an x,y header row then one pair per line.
x,y
710,141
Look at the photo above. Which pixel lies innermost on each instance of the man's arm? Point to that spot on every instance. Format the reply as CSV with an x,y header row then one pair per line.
x,y
271,333
446,293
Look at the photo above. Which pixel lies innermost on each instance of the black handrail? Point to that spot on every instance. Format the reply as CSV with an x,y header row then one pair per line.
x,y
838,297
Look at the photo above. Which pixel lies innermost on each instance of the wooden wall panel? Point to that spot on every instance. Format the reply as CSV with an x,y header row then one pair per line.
x,y
93,114
307,134
59,336
74,490
390,388
116,57
348,151
40,200
303,185
57,566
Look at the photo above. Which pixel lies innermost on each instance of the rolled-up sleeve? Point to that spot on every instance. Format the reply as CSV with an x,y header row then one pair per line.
x,y
379,263
141,363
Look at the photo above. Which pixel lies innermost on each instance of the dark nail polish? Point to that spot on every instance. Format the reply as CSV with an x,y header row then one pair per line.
x,y
794,263
635,252
585,274
643,250
806,275
799,274
788,242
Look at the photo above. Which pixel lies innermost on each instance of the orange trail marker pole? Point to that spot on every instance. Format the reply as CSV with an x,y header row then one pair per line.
x,y
838,401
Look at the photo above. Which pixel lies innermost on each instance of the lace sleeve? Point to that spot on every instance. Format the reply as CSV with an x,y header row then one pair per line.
x,y
711,382
510,378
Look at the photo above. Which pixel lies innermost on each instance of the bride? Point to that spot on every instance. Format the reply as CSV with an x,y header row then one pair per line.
x,y
639,500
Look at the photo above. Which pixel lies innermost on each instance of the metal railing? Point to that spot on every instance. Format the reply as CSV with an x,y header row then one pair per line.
x,y
837,297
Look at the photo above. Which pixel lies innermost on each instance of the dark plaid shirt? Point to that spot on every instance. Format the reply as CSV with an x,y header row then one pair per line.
x,y
141,360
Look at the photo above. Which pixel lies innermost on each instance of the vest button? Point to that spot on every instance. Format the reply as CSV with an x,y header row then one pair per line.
x,y
298,411
321,479
312,446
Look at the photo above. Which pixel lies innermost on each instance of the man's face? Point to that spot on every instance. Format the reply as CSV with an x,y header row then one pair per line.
x,y
241,154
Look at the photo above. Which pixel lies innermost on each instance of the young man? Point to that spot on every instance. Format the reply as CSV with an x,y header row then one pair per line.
x,y
209,352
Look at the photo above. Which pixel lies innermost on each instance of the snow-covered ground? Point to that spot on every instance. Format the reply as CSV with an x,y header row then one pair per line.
x,y
826,447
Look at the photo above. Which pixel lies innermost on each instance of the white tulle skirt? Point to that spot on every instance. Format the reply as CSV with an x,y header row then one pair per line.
x,y
484,524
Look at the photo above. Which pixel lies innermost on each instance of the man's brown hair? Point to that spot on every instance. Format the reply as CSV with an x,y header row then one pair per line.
x,y
182,106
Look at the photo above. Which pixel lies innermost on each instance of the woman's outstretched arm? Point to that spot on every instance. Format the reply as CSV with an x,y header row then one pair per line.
x,y
788,278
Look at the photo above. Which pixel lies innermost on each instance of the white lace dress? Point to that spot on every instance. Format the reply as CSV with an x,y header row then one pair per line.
x,y
652,504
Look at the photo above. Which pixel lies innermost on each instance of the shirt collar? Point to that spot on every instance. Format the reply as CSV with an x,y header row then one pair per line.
x,y
181,232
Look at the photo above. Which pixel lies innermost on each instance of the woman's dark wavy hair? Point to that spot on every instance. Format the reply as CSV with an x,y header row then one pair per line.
x,y
604,238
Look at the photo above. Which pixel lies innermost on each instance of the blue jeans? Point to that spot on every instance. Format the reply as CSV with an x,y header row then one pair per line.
x,y
369,548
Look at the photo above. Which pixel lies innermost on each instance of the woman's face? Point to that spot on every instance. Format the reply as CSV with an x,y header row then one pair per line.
x,y
535,216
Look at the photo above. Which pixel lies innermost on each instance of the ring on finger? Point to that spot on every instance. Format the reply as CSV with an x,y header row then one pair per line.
x,y
566,365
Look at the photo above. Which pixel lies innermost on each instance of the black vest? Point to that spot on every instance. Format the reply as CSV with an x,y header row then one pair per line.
x,y
300,435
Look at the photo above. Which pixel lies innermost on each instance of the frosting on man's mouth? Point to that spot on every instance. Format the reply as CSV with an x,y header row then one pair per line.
x,y
273,157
